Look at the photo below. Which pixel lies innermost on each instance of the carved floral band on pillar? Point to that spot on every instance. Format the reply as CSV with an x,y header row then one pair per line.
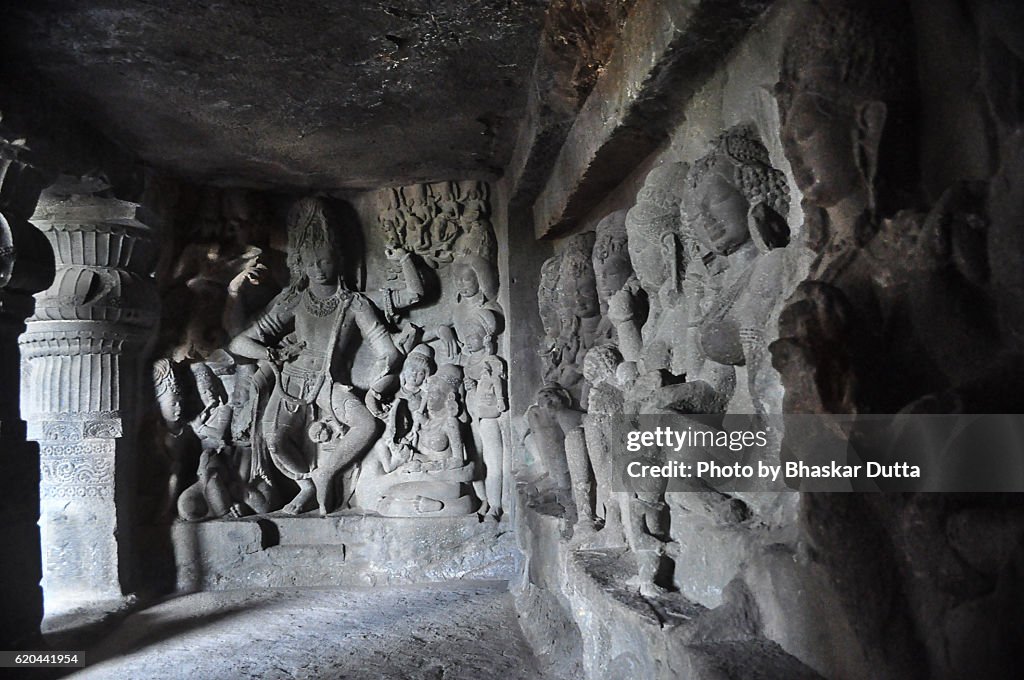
x,y
81,368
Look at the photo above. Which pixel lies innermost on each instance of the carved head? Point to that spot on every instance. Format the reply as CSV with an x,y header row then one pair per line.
x,y
553,397
169,394
577,280
444,194
655,217
847,77
471,190
547,296
479,330
314,251
418,366
612,267
244,218
444,390
473,195
473,274
725,186
601,363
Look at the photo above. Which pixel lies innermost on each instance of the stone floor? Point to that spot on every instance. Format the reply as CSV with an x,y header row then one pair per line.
x,y
447,632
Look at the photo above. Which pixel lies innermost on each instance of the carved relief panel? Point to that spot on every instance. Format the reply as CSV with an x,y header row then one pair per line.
x,y
390,401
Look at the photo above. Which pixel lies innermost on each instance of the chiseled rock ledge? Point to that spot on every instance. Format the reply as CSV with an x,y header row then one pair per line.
x,y
585,617
278,550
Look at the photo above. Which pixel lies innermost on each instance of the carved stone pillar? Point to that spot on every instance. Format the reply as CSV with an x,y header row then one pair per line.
x,y
82,354
25,267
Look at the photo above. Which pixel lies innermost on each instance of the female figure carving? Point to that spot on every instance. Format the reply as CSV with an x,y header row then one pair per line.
x,y
735,205
428,471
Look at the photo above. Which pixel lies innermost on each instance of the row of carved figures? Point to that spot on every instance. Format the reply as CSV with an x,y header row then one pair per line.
x,y
276,403
889,301
438,222
661,311
695,302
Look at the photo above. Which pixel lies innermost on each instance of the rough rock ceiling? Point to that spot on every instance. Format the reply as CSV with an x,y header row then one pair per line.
x,y
290,93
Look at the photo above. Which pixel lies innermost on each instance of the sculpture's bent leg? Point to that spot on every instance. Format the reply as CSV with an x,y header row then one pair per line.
x,y
303,499
214,483
284,433
363,430
192,505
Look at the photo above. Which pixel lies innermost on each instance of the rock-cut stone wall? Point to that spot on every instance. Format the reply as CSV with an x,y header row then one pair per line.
x,y
785,249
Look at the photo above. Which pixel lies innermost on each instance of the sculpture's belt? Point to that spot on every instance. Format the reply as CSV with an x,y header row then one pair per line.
x,y
295,371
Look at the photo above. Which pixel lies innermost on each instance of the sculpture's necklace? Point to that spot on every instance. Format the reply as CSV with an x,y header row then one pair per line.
x,y
321,307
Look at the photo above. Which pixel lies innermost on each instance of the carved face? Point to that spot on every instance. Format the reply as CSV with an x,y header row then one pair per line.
x,y
476,337
414,373
612,267
583,297
648,263
170,408
438,392
466,282
723,224
321,265
818,137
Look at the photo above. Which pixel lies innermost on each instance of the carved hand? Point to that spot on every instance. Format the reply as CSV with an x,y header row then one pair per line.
x,y
254,274
621,307
447,338
373,403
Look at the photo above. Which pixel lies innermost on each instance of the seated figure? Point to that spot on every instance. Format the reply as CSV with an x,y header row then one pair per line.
x,y
420,468
199,418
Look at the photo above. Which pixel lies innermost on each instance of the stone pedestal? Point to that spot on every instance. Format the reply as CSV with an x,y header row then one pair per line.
x,y
82,352
344,549
582,610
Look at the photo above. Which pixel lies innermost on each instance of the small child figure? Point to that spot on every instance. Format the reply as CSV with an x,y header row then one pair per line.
x,y
403,419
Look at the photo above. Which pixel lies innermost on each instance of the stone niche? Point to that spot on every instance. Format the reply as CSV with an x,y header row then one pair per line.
x,y
761,263
334,411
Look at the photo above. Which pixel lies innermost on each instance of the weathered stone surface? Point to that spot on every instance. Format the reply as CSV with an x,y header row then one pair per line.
x,y
666,51
591,599
338,95
278,551
463,632
575,44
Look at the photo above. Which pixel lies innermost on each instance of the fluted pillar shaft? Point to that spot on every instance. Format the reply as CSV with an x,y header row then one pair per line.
x,y
82,351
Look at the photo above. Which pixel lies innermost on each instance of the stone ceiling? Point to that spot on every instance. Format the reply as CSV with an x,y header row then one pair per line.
x,y
311,94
